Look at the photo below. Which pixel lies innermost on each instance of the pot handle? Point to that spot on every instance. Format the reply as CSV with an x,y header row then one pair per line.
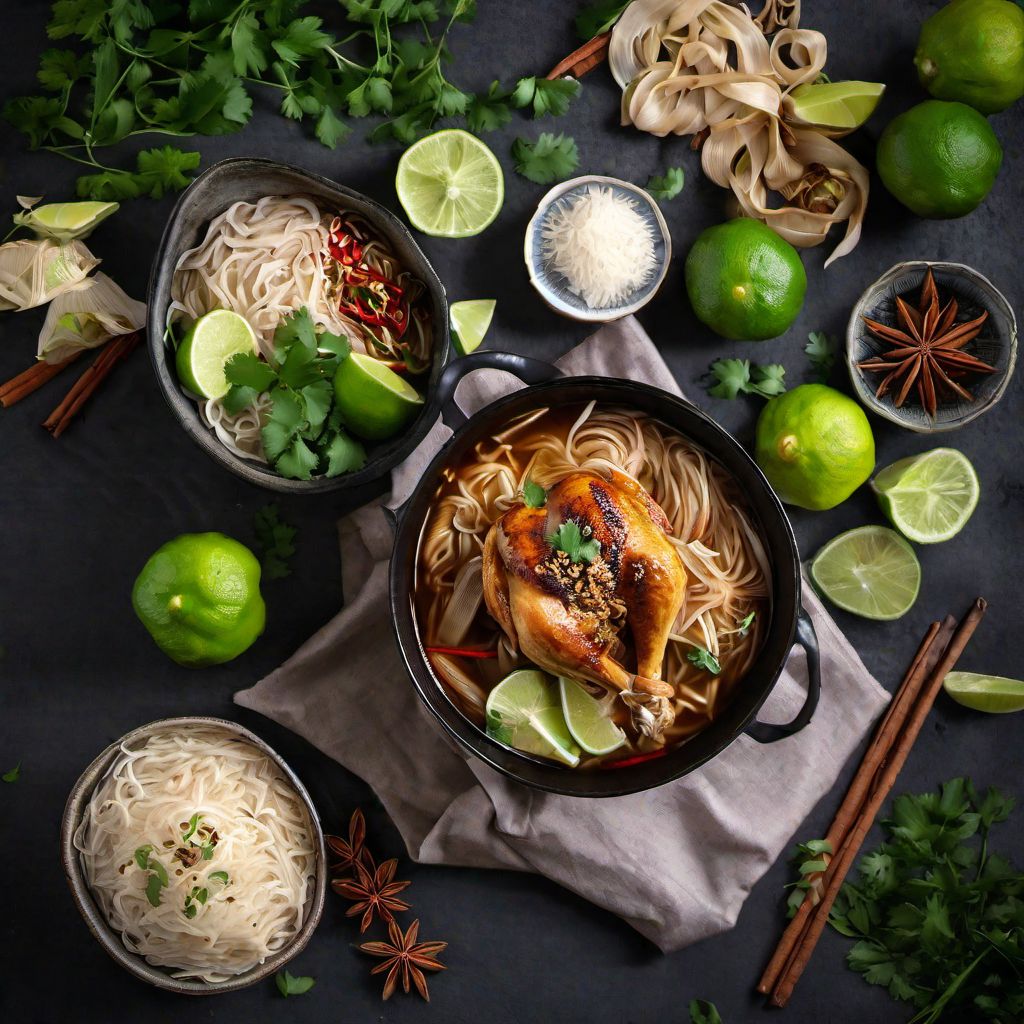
x,y
529,371
765,732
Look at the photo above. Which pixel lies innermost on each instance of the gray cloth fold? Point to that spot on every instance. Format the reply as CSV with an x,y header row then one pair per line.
x,y
677,862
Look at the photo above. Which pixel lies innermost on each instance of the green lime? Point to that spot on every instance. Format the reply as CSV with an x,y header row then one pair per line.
x,y
65,221
374,402
939,159
524,711
928,497
470,320
450,184
588,721
199,597
842,106
871,571
815,446
995,694
745,281
210,342
972,51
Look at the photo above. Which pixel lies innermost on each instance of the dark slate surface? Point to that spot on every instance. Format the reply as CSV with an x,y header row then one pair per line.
x,y
81,515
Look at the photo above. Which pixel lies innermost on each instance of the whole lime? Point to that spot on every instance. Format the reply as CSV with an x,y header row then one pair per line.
x,y
973,51
815,446
199,597
745,281
939,159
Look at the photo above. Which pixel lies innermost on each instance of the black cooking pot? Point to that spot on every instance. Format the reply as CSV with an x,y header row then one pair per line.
x,y
788,623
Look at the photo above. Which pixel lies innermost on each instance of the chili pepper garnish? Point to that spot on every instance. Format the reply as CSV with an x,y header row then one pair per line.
x,y
628,762
463,652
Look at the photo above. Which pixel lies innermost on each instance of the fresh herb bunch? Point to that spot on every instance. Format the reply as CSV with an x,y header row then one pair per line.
x,y
303,434
155,67
939,917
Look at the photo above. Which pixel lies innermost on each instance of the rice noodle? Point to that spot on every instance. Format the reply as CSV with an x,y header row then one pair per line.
x,y
263,844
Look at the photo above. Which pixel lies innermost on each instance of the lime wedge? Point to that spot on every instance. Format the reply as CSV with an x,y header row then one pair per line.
x,y
450,184
871,571
585,716
524,711
210,342
65,221
928,497
374,401
840,105
470,320
995,694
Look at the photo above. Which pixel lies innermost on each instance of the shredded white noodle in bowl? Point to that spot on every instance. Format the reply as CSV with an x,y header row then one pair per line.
x,y
195,855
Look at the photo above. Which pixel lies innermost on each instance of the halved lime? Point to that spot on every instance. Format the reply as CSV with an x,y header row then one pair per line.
x,y
65,221
871,571
450,184
995,694
210,342
373,400
470,320
929,497
524,711
840,105
585,716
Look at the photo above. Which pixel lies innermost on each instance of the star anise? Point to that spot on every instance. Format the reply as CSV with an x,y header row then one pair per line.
x,y
352,850
406,959
373,892
926,350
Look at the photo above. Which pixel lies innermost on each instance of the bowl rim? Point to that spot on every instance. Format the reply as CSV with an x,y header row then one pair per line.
x,y
897,271
519,767
96,921
596,316
184,410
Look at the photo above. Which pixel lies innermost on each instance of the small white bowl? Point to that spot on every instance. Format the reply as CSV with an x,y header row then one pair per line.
x,y
553,287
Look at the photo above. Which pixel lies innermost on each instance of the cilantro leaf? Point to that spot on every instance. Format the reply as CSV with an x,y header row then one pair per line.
x,y
330,129
746,623
534,496
153,887
239,397
703,1012
298,461
489,111
274,538
246,369
59,69
577,543
768,381
343,454
738,376
551,158
703,658
666,186
283,424
821,351
545,96
12,774
599,17
290,985
296,327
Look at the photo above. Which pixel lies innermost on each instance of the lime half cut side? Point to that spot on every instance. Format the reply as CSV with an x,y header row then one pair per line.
x,y
587,719
375,403
871,571
470,320
994,694
843,106
524,711
65,221
929,497
450,184
210,342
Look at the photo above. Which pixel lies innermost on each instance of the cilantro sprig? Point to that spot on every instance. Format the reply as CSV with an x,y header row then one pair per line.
x,y
577,543
303,434
703,658
275,540
666,186
551,158
821,351
739,376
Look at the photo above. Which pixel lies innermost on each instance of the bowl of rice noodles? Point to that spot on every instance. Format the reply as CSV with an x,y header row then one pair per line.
x,y
267,241
595,550
195,855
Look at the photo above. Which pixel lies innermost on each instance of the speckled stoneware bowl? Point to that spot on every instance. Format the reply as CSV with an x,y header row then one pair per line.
x,y
249,180
995,345
553,288
110,940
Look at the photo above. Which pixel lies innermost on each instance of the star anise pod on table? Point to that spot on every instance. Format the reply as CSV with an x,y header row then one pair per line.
x,y
405,959
352,850
374,891
926,350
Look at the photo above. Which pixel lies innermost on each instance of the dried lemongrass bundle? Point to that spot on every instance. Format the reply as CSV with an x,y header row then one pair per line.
x,y
34,271
87,317
688,67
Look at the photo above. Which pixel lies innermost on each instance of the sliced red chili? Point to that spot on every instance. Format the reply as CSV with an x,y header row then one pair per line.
x,y
628,762
463,652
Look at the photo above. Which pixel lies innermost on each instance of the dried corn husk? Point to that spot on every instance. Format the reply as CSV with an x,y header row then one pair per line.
x,y
87,317
34,271
691,66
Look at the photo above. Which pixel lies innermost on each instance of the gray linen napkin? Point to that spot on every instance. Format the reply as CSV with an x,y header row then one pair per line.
x,y
676,862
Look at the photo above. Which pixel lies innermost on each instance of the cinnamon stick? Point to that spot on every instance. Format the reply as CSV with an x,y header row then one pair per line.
x,y
38,374
890,768
928,654
584,59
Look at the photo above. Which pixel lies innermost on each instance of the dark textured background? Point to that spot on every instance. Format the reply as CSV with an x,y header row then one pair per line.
x,y
82,514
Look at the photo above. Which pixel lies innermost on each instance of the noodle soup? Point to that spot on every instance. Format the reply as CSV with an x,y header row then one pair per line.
x,y
657,607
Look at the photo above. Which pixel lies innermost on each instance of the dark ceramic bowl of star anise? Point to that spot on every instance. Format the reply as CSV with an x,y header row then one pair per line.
x,y
931,346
